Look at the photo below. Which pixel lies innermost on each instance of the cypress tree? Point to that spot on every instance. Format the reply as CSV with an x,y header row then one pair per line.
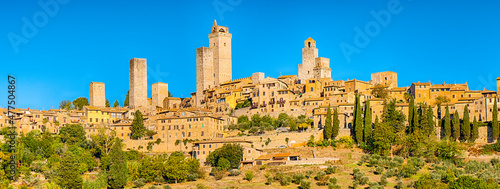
x,y
416,119
358,121
411,111
336,124
475,130
494,121
107,103
447,123
125,103
118,172
368,122
465,129
327,130
116,104
68,175
138,128
456,126
430,121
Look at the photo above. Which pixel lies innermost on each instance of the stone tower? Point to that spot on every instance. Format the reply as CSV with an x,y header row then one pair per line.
x,y
322,68
138,83
389,79
498,85
97,94
205,77
309,55
160,92
220,43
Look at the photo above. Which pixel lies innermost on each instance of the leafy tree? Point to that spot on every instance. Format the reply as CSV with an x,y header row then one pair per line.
x,y
358,122
465,129
380,91
169,94
116,104
256,120
138,128
118,172
67,172
447,123
283,120
468,181
456,125
293,124
231,152
107,103
494,121
80,102
72,134
475,130
243,119
368,122
103,141
336,124
125,103
65,104
327,130
224,163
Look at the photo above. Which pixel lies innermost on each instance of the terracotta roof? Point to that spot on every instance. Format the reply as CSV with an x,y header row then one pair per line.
x,y
265,157
222,141
286,154
286,76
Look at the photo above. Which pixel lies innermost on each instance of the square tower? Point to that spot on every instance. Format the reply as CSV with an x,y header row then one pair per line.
x,y
309,54
389,79
498,85
205,76
138,82
220,42
322,68
160,92
97,94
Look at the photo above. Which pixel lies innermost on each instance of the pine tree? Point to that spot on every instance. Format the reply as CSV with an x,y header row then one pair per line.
x,y
368,122
67,173
456,126
465,129
118,172
447,123
411,109
336,124
475,130
125,103
138,128
327,130
358,122
107,103
116,104
494,121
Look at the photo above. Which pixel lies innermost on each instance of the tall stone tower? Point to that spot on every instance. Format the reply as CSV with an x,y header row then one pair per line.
x,y
138,83
97,94
309,55
160,92
220,43
205,76
322,68
498,85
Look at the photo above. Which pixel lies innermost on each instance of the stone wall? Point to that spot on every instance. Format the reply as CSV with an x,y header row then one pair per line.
x,y
97,95
138,81
160,92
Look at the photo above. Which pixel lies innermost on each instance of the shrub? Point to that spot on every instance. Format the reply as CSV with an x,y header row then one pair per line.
x,y
219,174
383,180
470,182
285,181
191,177
167,187
296,178
305,184
374,185
333,180
152,187
378,170
399,185
309,173
321,178
263,167
139,182
269,181
234,172
363,159
331,169
249,175
319,175
333,186
495,161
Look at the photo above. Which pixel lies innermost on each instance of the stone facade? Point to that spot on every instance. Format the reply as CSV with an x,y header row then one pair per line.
x,y
97,95
498,85
389,79
322,68
205,77
309,54
160,92
257,77
138,83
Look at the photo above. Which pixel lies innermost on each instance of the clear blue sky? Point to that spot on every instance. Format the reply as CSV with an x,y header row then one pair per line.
x,y
85,41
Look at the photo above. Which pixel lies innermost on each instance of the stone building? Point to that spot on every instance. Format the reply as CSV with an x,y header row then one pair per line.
x,y
138,83
160,92
389,79
97,94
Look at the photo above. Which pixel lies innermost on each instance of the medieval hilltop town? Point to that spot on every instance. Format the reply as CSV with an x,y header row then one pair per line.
x,y
199,124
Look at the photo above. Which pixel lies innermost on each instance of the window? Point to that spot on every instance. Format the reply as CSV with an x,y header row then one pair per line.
x,y
312,89
309,43
203,134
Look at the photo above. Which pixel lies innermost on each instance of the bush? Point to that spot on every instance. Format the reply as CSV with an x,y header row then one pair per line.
x,y
296,178
234,172
191,177
399,185
152,187
331,169
333,186
378,170
167,187
219,174
285,181
470,182
139,182
305,184
333,180
263,167
249,175
321,178
383,180
269,181
309,173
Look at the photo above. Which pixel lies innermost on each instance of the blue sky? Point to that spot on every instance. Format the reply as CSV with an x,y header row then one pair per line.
x,y
85,41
